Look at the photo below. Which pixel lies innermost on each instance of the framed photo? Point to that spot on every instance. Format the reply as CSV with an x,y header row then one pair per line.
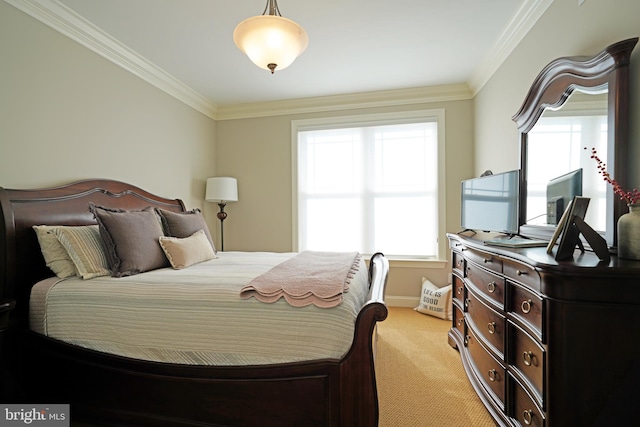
x,y
570,234
559,227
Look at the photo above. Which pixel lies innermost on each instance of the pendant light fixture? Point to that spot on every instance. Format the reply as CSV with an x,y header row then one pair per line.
x,y
271,41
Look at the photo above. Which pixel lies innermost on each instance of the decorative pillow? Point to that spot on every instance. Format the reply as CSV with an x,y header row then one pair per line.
x,y
86,250
55,255
435,301
131,239
184,252
184,224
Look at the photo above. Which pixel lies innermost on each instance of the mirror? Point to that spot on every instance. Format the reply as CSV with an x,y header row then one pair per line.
x,y
580,122
575,93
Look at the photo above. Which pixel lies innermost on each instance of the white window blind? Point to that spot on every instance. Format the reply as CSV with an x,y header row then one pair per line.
x,y
370,188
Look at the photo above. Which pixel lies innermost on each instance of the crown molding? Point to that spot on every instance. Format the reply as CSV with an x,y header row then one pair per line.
x,y
354,101
67,22
521,23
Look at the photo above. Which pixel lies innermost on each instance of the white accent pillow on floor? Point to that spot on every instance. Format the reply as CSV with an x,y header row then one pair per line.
x,y
435,301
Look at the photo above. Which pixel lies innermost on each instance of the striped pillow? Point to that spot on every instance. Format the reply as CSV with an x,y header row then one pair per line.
x,y
86,250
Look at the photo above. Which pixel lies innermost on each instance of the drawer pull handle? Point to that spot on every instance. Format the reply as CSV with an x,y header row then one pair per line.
x,y
467,338
460,290
493,375
527,356
491,326
467,302
491,287
521,273
526,306
527,416
486,260
460,322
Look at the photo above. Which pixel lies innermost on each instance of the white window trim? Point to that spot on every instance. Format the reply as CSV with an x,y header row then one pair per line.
x,y
368,120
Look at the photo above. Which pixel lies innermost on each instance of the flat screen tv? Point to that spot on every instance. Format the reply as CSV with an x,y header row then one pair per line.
x,y
560,191
491,203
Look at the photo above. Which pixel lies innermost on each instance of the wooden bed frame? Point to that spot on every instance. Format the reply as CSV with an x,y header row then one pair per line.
x,y
104,389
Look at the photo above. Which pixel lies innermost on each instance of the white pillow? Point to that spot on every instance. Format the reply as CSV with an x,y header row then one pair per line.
x,y
55,255
435,301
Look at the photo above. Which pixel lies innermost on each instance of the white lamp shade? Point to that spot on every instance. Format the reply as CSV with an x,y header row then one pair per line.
x,y
221,189
270,39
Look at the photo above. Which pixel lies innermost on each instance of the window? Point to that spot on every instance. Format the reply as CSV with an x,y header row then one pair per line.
x,y
369,184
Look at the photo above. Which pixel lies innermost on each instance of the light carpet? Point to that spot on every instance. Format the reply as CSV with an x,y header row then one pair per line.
x,y
421,381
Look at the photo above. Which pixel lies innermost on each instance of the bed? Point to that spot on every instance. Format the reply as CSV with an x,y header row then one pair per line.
x,y
107,388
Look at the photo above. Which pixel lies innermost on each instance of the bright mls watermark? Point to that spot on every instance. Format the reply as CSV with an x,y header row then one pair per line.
x,y
35,415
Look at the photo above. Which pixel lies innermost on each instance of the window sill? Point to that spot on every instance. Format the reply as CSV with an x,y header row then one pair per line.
x,y
415,263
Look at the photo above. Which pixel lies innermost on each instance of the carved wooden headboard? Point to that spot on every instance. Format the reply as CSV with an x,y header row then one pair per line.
x,y
21,261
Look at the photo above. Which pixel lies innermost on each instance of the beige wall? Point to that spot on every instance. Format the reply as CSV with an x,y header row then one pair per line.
x,y
257,151
565,29
67,114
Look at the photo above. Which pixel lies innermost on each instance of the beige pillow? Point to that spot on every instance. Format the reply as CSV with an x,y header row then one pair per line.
x,y
86,250
184,252
435,301
55,255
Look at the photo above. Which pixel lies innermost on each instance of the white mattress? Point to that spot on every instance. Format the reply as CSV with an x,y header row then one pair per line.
x,y
195,316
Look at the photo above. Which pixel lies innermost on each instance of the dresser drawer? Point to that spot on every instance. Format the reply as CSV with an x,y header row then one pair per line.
x,y
457,261
522,273
526,307
489,261
458,320
488,283
458,288
523,408
488,322
528,358
487,368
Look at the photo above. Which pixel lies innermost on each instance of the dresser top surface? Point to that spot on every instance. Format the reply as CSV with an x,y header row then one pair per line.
x,y
581,264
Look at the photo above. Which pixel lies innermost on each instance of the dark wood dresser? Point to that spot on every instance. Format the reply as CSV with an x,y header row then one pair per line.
x,y
547,343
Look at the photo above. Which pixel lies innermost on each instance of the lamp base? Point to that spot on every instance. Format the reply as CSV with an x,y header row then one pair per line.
x,y
222,215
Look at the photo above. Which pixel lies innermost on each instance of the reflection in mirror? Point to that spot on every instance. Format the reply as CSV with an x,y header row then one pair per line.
x,y
555,147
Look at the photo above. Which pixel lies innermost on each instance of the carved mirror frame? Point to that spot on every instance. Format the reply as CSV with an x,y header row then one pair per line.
x,y
553,86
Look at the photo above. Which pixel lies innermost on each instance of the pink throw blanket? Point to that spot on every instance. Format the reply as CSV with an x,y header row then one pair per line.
x,y
318,278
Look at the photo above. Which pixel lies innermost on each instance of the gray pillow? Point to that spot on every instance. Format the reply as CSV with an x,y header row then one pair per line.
x,y
131,239
184,224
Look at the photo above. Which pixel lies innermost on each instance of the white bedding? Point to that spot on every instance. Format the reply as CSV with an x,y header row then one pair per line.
x,y
195,315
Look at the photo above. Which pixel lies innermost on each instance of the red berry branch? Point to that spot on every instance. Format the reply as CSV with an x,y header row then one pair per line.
x,y
631,197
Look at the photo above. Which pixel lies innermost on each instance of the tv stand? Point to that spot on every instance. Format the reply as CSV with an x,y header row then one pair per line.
x,y
546,342
467,229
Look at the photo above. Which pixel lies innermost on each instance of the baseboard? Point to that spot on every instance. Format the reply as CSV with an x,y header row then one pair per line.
x,y
400,301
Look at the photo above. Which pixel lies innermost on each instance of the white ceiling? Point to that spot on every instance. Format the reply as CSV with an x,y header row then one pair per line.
x,y
354,46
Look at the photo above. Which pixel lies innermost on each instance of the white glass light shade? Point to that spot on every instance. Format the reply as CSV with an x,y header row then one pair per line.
x,y
221,189
270,39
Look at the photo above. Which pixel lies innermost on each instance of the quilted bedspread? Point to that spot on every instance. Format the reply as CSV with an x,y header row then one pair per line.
x,y
196,315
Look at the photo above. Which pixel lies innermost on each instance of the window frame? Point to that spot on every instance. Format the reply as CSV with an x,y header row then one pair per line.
x,y
377,119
